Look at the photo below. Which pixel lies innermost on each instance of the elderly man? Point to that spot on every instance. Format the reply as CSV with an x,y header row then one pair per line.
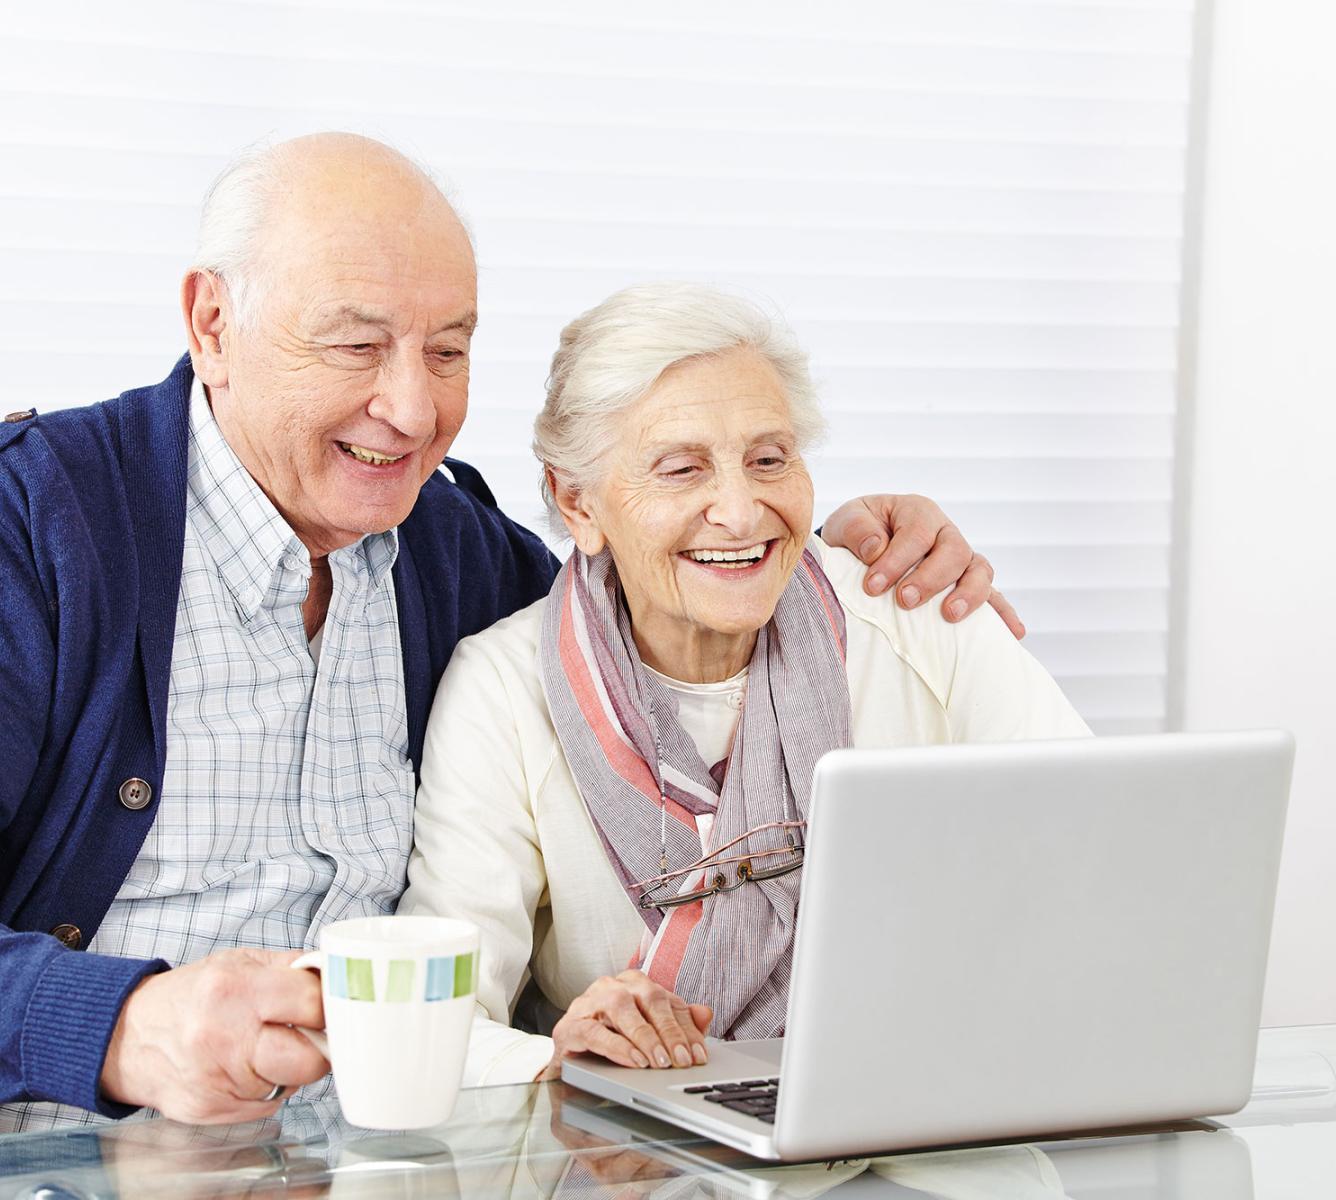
x,y
228,601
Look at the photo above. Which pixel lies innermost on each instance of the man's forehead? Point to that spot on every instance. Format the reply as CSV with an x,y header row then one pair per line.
x,y
339,314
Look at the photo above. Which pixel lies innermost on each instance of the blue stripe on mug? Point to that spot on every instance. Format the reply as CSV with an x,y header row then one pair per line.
x,y
452,976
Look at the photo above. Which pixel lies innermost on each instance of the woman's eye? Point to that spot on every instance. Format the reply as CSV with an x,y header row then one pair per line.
x,y
768,462
678,470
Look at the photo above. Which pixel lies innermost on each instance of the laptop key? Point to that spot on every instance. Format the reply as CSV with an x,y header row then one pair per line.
x,y
751,1107
699,1090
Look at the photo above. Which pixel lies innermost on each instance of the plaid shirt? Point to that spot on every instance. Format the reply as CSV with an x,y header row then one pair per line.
x,y
288,792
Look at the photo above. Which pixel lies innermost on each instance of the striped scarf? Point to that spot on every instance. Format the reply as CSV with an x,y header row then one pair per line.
x,y
731,951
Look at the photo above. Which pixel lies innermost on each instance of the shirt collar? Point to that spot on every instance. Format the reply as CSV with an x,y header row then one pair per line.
x,y
256,551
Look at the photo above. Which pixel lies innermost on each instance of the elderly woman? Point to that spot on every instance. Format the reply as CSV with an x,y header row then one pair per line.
x,y
615,779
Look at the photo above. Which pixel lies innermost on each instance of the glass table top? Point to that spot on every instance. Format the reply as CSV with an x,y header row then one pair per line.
x,y
550,1142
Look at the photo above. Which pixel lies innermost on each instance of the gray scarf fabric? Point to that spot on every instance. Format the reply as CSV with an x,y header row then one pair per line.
x,y
732,951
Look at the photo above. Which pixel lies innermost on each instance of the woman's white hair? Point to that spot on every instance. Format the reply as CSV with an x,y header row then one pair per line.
x,y
610,357
238,203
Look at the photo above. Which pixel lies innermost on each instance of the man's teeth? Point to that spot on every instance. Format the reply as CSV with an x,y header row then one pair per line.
x,y
362,454
729,558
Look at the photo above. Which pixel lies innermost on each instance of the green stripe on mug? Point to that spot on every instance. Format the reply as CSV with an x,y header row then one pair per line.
x,y
399,986
361,985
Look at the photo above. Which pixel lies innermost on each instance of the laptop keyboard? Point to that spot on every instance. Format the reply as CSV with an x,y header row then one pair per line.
x,y
755,1097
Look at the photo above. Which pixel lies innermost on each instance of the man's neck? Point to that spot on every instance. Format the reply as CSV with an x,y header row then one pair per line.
x,y
316,604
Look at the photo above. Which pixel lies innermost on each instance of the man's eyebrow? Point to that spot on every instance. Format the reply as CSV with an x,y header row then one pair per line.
x,y
350,314
468,323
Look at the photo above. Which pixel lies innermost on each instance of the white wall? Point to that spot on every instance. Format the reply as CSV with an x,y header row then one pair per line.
x,y
1260,645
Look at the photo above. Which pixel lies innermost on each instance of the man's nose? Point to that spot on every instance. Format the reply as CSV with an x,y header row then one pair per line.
x,y
404,399
734,506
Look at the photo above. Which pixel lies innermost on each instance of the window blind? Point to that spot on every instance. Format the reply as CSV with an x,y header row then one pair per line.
x,y
970,210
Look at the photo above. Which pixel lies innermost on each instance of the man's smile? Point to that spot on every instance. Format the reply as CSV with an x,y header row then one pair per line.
x,y
372,457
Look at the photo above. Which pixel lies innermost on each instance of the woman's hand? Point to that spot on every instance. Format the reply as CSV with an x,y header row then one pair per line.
x,y
634,1022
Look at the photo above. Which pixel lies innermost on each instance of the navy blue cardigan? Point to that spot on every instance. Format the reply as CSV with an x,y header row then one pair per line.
x,y
92,520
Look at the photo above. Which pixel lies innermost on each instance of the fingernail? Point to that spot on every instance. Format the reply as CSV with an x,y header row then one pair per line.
x,y
869,547
956,609
683,1056
698,1053
909,596
876,584
640,1060
661,1057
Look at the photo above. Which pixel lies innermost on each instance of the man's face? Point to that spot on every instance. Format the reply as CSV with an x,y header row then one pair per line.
x,y
351,381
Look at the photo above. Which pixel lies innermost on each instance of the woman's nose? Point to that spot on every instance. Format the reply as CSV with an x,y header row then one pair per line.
x,y
734,506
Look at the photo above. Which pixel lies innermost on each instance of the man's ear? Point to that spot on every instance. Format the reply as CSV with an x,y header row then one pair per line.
x,y
208,312
573,504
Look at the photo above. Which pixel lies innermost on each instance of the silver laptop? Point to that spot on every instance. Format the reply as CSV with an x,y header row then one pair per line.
x,y
1003,940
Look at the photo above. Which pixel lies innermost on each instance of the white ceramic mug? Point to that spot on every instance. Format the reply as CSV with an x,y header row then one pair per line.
x,y
399,999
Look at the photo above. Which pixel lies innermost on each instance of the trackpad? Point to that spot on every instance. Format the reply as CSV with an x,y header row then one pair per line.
x,y
762,1050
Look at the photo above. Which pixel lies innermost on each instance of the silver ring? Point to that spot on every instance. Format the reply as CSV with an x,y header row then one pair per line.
x,y
274,1093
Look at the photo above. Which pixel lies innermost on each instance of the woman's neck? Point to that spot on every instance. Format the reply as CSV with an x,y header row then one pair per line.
x,y
689,653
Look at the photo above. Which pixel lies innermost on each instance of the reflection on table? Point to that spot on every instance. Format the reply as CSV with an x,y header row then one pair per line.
x,y
549,1142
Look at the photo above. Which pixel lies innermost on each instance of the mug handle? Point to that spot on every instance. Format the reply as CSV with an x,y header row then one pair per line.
x,y
313,960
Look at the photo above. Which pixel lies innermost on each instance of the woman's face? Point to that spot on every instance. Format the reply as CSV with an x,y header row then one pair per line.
x,y
706,468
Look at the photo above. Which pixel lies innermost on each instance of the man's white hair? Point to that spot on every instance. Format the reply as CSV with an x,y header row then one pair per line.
x,y
236,207
610,357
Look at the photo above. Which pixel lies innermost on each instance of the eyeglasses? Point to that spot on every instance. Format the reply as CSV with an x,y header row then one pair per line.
x,y
745,870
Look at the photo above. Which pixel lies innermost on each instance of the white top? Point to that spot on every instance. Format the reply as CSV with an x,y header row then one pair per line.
x,y
502,837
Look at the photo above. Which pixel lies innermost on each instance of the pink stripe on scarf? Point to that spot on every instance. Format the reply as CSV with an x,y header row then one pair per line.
x,y
625,761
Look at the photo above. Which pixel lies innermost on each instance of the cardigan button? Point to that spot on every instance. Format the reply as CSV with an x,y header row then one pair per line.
x,y
69,936
135,794
24,415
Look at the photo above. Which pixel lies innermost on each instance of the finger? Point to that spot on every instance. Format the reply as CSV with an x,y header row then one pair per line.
x,y
915,537
970,591
857,526
695,1041
607,1043
283,996
657,1005
624,1014
702,1015
1008,614
282,1055
946,561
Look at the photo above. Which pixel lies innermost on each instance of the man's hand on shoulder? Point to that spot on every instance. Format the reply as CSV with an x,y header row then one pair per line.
x,y
207,1042
909,539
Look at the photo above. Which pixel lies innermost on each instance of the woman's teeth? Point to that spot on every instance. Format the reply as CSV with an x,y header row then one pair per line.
x,y
362,454
732,559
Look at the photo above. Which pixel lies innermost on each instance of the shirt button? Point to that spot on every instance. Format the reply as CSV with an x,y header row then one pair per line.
x,y
15,417
135,794
735,700
69,936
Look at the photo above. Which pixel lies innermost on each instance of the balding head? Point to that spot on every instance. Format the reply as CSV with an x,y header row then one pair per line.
x,y
330,313
300,182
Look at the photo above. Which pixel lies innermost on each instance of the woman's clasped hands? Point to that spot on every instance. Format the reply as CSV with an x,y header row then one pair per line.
x,y
632,1021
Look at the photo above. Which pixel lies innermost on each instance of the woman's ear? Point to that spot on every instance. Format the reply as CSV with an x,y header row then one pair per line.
x,y
576,511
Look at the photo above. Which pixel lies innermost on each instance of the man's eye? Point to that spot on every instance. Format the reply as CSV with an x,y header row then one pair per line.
x,y
359,347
